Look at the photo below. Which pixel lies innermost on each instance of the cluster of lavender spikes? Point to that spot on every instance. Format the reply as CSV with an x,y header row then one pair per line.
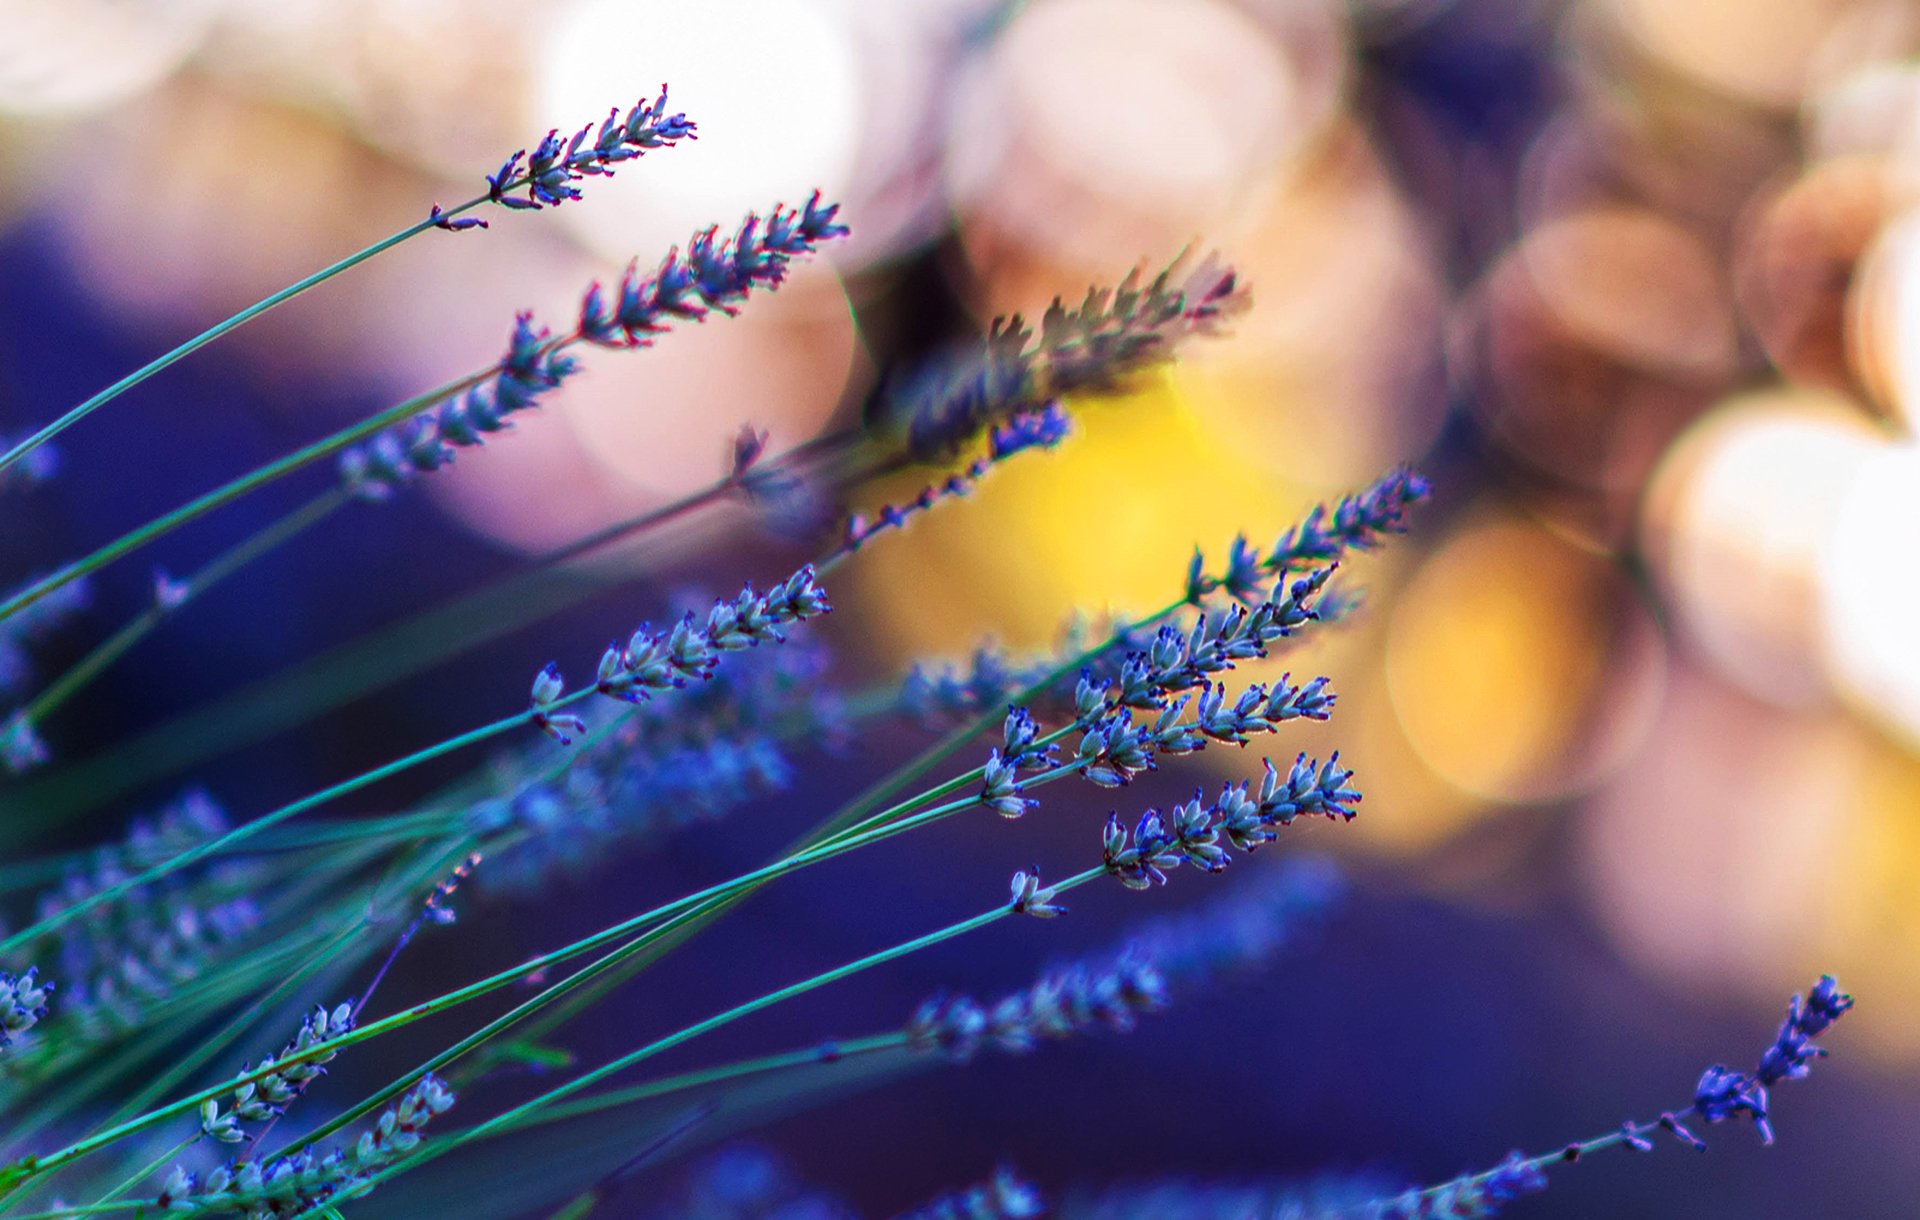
x,y
141,948
557,163
1111,336
297,1185
1115,747
1358,522
1192,831
259,1100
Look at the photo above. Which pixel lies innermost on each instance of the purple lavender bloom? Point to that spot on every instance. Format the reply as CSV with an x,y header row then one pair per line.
x,y
557,163
1113,989
1004,1196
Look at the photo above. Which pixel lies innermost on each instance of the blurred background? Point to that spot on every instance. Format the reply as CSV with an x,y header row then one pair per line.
x,y
1636,708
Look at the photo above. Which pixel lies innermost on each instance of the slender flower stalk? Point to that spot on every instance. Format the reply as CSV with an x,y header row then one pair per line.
x,y
547,176
1721,1094
713,274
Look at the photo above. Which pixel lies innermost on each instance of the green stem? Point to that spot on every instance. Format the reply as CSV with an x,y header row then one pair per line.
x,y
257,478
371,662
150,1168
207,336
805,1057
141,625
238,834
505,1120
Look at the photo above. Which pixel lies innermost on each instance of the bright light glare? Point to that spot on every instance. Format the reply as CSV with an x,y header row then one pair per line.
x,y
772,86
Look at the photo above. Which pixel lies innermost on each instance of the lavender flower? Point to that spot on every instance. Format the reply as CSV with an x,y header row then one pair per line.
x,y
1476,1196
1724,1093
33,623
35,467
746,1182
1115,988
1358,522
1032,898
654,661
298,1184
533,365
1004,1196
1192,831
713,274
140,949
21,748
1721,1093
1110,337
715,748
23,1002
257,1101
557,163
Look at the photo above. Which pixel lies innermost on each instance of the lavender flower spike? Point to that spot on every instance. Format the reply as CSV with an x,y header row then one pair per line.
x,y
1721,1094
654,661
557,163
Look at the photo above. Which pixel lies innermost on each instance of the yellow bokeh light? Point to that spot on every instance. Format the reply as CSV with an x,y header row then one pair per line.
x,y
1108,521
1521,666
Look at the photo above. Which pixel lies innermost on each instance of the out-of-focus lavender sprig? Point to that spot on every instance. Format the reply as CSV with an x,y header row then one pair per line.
x,y
717,747
557,162
1721,1094
1113,989
35,467
1112,335
1317,1198
713,274
299,1184
746,1182
144,946
21,748
1004,1196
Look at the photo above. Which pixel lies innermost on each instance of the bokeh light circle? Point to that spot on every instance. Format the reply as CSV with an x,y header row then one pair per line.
x,y
1736,521
774,87
1522,667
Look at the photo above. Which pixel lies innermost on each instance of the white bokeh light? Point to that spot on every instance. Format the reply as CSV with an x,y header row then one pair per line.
x,y
1870,590
773,87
